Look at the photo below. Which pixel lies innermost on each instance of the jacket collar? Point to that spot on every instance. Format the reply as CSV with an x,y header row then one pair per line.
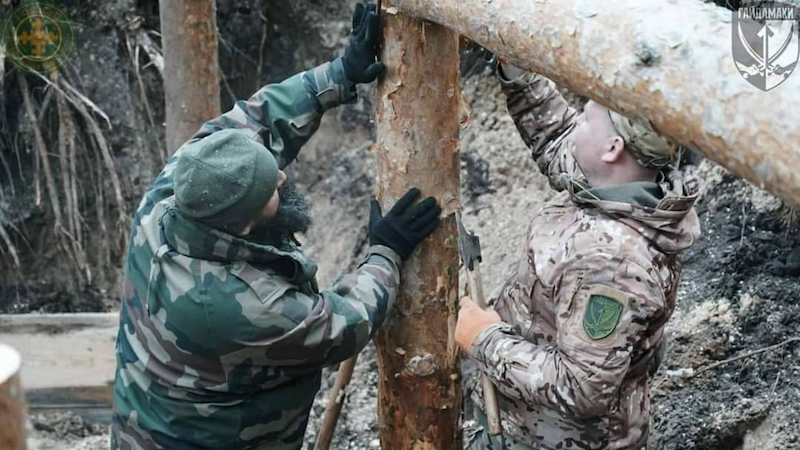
x,y
662,212
194,239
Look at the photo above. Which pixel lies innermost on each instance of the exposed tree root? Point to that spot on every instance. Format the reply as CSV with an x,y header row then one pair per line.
x,y
9,246
102,145
48,97
7,170
66,198
78,100
264,29
133,52
227,85
41,151
153,52
67,167
100,210
2,66
743,356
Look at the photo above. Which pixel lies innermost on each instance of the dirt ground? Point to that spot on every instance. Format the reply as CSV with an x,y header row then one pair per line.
x,y
738,291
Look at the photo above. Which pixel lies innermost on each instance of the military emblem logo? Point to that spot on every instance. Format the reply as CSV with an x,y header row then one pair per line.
x,y
601,317
766,42
37,37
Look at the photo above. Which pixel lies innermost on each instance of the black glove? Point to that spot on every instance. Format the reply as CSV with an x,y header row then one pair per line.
x,y
359,57
405,226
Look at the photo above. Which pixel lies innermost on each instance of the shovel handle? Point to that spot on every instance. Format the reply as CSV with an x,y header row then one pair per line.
x,y
492,406
334,409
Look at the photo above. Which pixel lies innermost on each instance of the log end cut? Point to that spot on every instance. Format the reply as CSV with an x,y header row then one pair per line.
x,y
12,402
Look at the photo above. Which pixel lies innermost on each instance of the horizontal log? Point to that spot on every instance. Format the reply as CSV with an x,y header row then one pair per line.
x,y
669,62
63,351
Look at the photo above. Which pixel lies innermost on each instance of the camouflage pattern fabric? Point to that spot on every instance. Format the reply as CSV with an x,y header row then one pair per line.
x,y
649,148
222,340
478,437
584,312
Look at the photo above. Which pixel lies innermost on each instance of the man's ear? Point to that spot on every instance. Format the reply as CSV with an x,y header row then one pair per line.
x,y
613,149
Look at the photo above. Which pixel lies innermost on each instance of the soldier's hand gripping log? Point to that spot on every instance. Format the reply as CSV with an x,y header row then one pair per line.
x,y
469,249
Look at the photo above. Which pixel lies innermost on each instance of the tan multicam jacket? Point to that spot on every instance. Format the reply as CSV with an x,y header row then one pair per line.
x,y
584,312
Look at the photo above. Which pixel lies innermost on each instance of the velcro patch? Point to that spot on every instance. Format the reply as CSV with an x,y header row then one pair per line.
x,y
602,316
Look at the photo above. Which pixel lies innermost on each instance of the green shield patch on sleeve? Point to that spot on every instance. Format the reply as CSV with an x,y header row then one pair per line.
x,y
602,316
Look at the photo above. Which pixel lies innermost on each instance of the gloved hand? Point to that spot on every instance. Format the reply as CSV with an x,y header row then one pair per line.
x,y
359,60
405,226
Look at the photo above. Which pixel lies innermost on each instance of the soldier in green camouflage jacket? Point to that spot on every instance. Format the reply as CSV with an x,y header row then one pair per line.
x,y
223,331
575,328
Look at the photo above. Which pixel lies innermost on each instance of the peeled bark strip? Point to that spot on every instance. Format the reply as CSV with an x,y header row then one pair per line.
x,y
12,402
191,72
418,126
667,61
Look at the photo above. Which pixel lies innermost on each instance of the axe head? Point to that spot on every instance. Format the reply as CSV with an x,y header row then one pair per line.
x,y
469,246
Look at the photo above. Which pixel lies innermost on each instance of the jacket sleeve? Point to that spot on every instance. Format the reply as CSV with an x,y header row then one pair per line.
x,y
281,116
296,328
543,118
284,116
602,318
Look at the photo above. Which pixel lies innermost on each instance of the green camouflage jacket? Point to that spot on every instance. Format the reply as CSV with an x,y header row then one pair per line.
x,y
584,312
222,340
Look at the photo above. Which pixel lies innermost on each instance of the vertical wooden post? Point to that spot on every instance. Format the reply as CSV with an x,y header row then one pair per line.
x,y
12,403
419,104
191,68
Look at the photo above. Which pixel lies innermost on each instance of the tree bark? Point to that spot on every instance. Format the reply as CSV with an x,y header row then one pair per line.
x,y
191,72
419,104
12,403
669,62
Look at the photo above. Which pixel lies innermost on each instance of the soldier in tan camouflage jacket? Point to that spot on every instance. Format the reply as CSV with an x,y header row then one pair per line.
x,y
575,327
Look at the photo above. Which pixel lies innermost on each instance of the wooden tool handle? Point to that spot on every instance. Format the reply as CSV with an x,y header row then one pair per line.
x,y
489,390
334,409
492,406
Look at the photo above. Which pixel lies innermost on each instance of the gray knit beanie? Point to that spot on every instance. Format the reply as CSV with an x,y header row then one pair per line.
x,y
225,180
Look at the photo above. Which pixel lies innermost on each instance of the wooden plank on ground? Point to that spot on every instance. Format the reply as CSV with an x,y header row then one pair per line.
x,y
65,357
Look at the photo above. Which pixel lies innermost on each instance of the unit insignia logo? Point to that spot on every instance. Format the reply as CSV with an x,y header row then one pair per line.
x,y
37,37
602,316
766,42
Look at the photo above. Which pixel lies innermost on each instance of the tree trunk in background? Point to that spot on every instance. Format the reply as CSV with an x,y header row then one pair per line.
x,y
191,68
12,402
419,106
667,61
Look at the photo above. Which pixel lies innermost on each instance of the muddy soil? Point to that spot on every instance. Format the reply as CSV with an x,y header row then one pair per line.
x,y
738,289
58,431
738,294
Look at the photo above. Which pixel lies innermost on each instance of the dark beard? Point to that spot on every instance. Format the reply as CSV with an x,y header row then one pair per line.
x,y
292,217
